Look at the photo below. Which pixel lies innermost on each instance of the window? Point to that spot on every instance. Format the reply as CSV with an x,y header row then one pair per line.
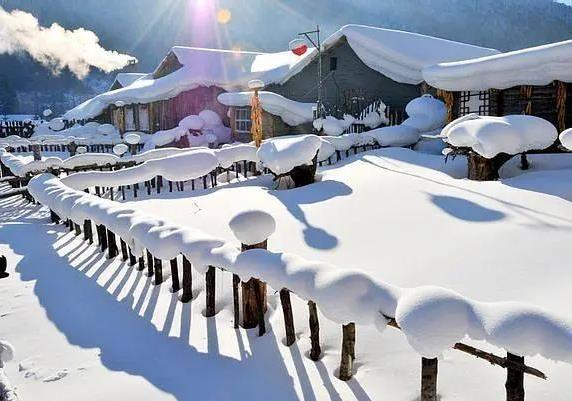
x,y
242,120
333,63
143,117
129,119
475,102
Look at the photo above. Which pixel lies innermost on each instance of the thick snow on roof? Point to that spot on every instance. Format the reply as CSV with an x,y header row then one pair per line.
x,y
401,55
533,66
292,113
127,78
227,69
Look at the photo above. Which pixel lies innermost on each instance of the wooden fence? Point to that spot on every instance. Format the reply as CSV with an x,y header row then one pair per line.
x,y
23,129
395,117
252,302
250,298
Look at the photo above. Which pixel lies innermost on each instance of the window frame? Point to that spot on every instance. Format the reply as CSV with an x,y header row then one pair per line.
x,y
242,121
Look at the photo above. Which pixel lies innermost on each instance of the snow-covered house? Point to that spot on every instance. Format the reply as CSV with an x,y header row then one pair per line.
x,y
361,64
124,79
186,82
533,81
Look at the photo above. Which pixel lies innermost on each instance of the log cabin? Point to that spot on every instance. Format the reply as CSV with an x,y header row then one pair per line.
x,y
186,82
533,81
361,65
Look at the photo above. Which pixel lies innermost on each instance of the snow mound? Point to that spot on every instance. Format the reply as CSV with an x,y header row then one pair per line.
x,y
106,129
281,155
162,138
7,351
292,113
234,153
210,118
184,166
489,136
426,113
252,227
566,138
397,135
333,126
90,159
192,122
434,319
342,142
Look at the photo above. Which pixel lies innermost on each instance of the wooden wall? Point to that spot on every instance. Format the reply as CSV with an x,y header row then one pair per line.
x,y
515,101
350,88
166,114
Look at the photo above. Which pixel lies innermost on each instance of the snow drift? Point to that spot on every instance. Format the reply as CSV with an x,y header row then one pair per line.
x,y
431,318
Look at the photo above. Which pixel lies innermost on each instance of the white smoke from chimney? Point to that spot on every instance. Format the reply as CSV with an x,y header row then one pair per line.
x,y
55,47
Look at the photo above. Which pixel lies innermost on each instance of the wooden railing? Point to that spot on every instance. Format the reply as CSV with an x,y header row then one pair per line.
x,y
23,129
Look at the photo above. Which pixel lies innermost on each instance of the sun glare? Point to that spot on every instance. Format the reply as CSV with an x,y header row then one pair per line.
x,y
223,16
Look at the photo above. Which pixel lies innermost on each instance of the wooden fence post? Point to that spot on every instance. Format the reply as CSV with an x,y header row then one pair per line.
x,y
150,271
187,281
87,231
124,253
514,379
316,350
54,217
176,286
210,291
253,295
429,368
348,351
236,300
132,259
112,244
103,237
158,271
288,316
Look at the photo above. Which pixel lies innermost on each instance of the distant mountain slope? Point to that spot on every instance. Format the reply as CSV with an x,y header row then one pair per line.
x,y
148,28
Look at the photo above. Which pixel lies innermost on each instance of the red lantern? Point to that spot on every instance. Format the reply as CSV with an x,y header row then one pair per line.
x,y
298,47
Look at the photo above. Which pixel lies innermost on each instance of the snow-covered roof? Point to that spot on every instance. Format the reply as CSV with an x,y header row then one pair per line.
x,y
127,78
227,69
292,113
532,66
402,55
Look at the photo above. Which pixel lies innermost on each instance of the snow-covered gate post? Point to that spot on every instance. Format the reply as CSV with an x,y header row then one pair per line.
x,y
252,229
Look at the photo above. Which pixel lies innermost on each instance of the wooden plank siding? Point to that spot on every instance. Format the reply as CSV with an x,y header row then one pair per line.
x,y
349,88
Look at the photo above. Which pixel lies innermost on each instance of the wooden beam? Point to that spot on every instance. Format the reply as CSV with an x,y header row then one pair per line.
x,y
487,356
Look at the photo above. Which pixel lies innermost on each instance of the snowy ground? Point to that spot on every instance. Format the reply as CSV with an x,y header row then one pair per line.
x,y
83,325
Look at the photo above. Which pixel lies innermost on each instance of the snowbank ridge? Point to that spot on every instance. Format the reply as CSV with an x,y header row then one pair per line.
x,y
433,319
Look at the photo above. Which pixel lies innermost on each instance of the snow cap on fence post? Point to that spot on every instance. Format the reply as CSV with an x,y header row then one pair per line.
x,y
7,352
252,227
